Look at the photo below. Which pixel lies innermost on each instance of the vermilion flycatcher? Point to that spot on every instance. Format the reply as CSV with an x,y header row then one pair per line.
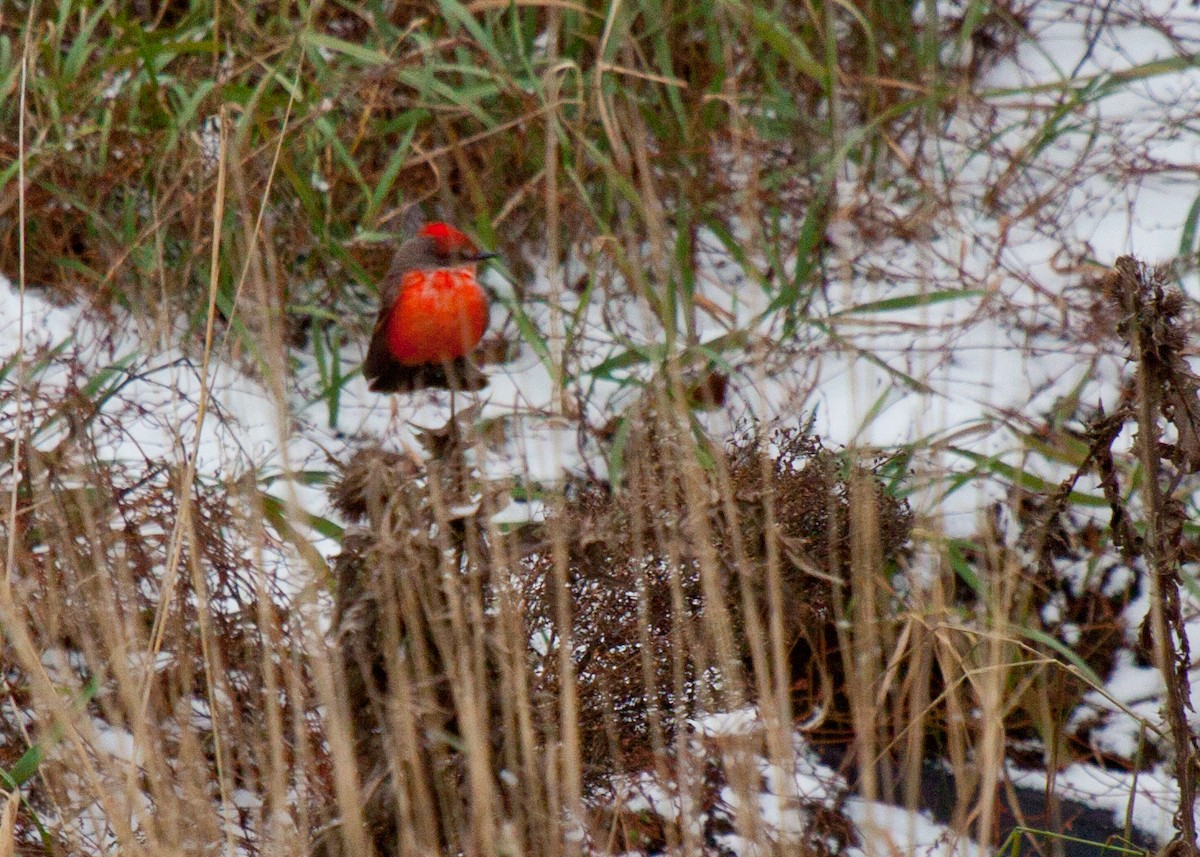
x,y
432,314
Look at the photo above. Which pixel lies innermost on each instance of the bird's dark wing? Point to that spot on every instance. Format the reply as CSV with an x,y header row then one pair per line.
x,y
379,359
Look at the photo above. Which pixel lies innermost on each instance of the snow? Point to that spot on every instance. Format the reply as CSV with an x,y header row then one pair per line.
x,y
889,830
1155,796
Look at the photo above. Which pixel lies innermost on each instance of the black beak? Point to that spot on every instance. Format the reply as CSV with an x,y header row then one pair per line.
x,y
480,257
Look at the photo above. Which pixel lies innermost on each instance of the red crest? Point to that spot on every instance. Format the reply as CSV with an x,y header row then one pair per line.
x,y
446,237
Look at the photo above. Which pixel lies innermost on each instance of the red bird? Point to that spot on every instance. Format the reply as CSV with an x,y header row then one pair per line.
x,y
432,314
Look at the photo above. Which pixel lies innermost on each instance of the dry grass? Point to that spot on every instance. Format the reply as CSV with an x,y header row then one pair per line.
x,y
183,673
689,591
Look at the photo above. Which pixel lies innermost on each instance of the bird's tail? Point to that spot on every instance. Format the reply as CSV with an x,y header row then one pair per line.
x,y
388,376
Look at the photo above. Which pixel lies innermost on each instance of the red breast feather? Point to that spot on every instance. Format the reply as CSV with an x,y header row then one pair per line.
x,y
439,315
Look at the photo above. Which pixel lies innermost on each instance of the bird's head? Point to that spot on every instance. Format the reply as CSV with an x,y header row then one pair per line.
x,y
446,246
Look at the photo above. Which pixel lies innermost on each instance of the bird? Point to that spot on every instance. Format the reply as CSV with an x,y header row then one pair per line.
x,y
432,314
